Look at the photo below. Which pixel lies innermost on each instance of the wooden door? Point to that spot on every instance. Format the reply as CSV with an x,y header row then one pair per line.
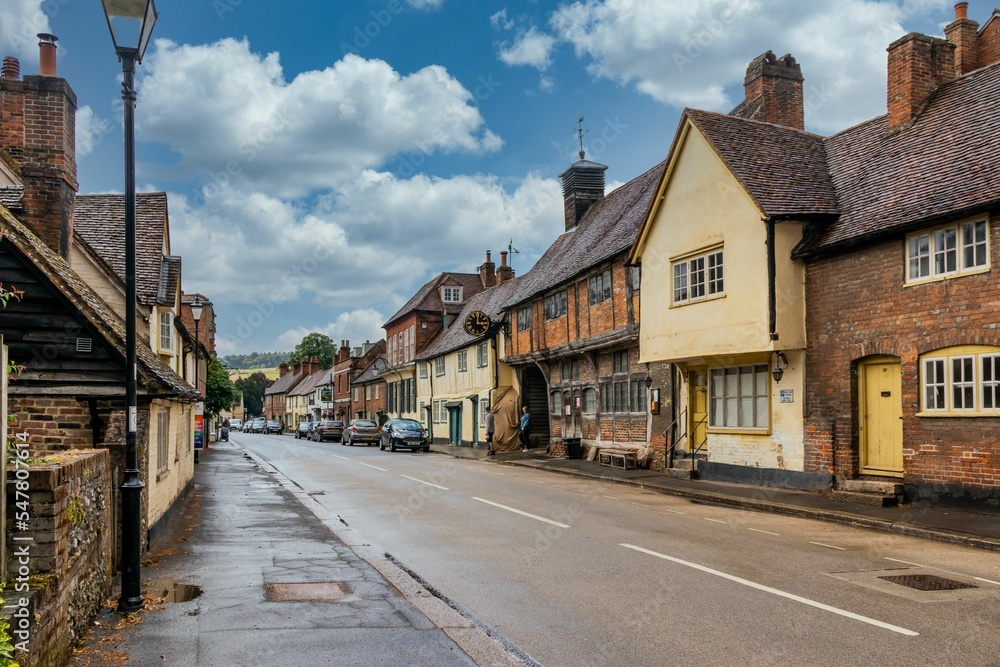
x,y
881,418
698,408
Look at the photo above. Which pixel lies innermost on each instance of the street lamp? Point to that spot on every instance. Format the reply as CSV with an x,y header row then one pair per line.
x,y
196,307
131,23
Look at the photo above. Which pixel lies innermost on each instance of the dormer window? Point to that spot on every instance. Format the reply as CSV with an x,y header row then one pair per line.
x,y
451,294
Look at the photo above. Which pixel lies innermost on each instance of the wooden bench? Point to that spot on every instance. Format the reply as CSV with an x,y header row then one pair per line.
x,y
618,458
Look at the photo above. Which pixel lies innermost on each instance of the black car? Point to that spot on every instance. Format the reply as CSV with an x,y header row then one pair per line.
x,y
303,429
327,430
273,426
405,434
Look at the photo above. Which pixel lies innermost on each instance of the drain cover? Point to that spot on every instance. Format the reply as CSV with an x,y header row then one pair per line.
x,y
927,582
322,591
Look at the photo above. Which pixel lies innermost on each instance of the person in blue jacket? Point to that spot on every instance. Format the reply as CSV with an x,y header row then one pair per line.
x,y
525,428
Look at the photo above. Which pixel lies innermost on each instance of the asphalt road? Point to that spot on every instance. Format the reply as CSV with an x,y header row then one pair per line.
x,y
578,572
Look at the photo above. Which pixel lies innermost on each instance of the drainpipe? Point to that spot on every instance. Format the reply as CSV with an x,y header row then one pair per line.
x,y
772,316
668,452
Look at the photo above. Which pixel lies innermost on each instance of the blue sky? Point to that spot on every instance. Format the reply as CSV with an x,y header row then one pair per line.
x,y
325,159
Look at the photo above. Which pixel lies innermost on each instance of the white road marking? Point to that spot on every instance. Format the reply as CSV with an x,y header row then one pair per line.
x,y
766,532
713,520
337,456
516,511
641,505
673,511
775,591
989,581
612,497
828,546
436,486
371,466
896,560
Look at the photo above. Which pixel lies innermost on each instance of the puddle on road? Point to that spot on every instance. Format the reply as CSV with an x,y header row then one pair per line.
x,y
171,591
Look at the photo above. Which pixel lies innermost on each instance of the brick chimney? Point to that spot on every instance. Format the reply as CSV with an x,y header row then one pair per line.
x,y
282,369
38,129
777,83
487,272
917,65
583,186
963,33
504,272
296,367
988,43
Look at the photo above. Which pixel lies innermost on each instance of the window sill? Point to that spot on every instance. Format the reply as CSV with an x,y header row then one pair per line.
x,y
714,297
715,430
970,413
948,276
162,474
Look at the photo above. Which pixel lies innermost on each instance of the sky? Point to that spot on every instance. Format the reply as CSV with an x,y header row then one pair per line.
x,y
324,159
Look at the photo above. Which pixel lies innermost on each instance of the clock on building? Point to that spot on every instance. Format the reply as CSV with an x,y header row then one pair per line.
x,y
477,323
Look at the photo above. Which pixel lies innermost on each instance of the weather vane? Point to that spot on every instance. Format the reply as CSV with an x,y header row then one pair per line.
x,y
579,131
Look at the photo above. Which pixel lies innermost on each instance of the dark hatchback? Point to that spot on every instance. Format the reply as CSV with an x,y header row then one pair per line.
x,y
403,434
327,430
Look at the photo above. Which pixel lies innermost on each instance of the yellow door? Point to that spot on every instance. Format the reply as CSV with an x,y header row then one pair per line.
x,y
698,427
881,427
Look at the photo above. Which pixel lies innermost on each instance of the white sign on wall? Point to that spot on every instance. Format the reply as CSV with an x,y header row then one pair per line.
x,y
787,396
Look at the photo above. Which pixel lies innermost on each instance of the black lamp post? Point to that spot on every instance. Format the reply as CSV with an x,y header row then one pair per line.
x,y
131,23
196,307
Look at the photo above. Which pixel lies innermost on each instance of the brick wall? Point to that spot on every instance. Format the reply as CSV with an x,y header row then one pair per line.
x,y
857,307
988,43
68,572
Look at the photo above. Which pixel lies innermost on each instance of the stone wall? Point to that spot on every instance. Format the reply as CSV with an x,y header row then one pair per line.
x,y
58,551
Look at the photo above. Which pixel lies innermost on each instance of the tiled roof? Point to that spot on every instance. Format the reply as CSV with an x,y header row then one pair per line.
x,y
91,306
946,163
100,221
784,170
455,337
283,384
607,229
428,297
310,382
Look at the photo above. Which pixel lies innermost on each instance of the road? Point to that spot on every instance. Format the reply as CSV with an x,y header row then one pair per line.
x,y
578,572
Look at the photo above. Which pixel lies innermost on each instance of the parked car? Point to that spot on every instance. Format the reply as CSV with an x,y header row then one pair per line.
x,y
360,430
403,433
327,430
258,425
303,429
273,426
235,424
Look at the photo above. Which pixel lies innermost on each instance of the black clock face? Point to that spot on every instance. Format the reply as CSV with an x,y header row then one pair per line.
x,y
477,323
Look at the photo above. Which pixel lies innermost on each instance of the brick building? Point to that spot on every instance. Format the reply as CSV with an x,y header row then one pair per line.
x,y
574,322
368,387
902,288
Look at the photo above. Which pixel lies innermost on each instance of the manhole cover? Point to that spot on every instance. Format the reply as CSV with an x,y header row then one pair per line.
x,y
323,591
927,582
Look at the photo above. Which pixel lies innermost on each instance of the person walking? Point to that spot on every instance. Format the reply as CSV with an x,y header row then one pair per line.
x,y
525,428
488,421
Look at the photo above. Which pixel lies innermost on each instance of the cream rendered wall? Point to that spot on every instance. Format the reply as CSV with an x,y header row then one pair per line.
x,y
458,386
165,487
789,288
704,205
96,279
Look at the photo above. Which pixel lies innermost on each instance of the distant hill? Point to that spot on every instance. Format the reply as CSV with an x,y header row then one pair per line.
x,y
255,360
240,373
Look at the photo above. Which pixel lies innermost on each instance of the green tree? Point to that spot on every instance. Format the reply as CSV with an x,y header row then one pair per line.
x,y
253,387
220,392
316,345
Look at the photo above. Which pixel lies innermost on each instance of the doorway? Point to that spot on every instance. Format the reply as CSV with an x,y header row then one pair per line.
x,y
880,417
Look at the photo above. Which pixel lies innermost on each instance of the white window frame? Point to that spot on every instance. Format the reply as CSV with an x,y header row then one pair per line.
x,y
960,381
484,405
758,397
950,250
368,392
482,355
557,402
413,341
162,439
406,345
377,391
590,401
451,294
439,366
599,287
698,277
424,370
463,361
166,331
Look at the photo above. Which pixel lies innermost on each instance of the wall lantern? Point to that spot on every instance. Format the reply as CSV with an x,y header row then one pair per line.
x,y
779,366
649,379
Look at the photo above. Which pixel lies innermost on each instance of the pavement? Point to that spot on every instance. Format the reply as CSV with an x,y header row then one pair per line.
x,y
266,575
277,579
969,527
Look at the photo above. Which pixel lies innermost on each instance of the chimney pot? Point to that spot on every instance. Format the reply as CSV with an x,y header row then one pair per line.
x,y
47,54
961,10
11,70
503,258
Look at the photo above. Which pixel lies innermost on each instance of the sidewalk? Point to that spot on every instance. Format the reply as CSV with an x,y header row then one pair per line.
x,y
958,526
282,582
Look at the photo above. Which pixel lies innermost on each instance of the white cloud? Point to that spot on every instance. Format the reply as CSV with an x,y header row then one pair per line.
x,y
90,130
500,20
531,48
235,120
425,4
374,241
20,22
695,53
356,326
